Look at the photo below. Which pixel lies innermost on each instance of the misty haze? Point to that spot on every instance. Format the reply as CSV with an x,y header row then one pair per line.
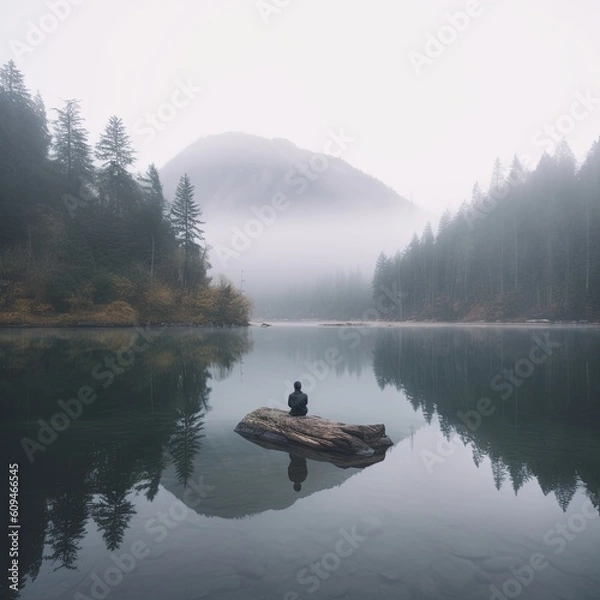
x,y
300,299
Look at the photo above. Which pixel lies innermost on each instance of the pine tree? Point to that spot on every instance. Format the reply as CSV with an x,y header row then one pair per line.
x,y
71,149
116,153
39,108
23,156
185,219
114,149
152,217
497,186
153,188
23,126
12,83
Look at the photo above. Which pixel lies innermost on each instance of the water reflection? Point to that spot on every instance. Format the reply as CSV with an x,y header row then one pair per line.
x,y
251,477
297,471
151,429
541,421
151,415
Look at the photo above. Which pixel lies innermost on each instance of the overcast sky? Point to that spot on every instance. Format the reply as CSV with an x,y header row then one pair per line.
x,y
428,127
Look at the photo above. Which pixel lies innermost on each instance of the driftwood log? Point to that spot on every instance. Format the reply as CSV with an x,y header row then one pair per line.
x,y
277,427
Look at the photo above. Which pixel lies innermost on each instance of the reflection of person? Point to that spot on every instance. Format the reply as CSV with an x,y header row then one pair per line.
x,y
297,471
297,401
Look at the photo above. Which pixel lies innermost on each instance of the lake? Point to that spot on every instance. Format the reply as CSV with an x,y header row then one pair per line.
x,y
133,484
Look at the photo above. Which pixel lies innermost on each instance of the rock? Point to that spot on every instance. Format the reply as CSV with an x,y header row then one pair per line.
x,y
273,427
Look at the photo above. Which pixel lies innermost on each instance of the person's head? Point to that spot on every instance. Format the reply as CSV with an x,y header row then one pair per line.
x,y
297,486
297,386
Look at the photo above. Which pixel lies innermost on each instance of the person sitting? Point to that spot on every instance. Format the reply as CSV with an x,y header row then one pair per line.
x,y
297,401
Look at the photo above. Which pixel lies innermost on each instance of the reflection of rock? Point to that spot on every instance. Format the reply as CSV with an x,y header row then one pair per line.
x,y
339,460
314,433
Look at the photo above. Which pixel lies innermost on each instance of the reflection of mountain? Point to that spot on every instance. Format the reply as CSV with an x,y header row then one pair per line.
x,y
547,426
248,479
152,414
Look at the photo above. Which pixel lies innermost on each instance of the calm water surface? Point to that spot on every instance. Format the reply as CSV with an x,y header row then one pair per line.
x,y
490,491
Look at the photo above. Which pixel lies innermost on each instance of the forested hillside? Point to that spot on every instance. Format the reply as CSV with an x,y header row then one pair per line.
x,y
85,240
526,248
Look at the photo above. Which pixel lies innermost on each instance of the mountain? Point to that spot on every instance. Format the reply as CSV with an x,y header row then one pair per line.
x,y
327,214
233,171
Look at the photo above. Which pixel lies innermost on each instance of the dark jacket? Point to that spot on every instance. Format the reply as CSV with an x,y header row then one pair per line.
x,y
297,401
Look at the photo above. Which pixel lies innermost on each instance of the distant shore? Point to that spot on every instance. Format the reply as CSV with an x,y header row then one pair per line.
x,y
68,322
529,323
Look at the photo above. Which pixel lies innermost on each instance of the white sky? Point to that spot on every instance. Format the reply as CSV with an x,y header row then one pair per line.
x,y
323,64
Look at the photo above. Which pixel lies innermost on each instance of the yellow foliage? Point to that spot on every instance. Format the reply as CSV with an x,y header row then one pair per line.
x,y
23,306
159,301
116,313
39,308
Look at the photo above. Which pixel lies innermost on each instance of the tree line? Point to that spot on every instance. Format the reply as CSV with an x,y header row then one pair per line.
x,y
83,238
526,248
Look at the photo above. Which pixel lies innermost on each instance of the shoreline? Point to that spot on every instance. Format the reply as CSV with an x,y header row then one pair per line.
x,y
29,326
400,324
316,323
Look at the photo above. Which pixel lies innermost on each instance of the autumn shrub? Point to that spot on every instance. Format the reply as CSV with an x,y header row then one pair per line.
x,y
116,313
159,302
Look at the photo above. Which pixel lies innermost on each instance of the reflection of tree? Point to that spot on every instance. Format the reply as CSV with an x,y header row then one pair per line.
x,y
191,394
498,470
546,428
115,479
111,513
68,512
519,474
67,517
119,445
185,442
564,493
151,474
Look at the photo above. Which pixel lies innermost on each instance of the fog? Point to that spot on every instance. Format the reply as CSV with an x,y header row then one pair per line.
x,y
298,249
299,71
